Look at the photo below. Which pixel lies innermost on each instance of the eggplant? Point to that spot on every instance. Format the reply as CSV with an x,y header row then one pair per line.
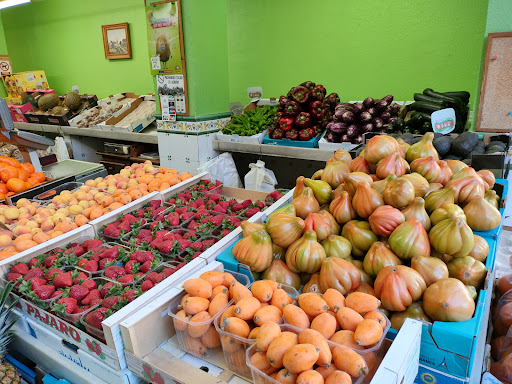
x,y
359,139
381,105
395,109
388,99
345,138
339,113
392,120
332,137
385,116
339,127
365,117
345,106
348,117
353,130
329,125
368,127
372,111
368,102
378,123
358,108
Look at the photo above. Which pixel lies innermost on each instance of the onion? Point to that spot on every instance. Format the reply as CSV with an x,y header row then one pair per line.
x,y
365,117
385,116
344,106
368,102
353,130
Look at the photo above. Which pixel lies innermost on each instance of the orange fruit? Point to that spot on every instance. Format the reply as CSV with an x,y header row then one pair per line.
x,y
3,188
8,172
23,175
39,176
28,167
10,161
16,185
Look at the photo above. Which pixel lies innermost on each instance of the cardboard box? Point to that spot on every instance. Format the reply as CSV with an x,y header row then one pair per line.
x,y
36,118
75,120
136,126
18,83
191,149
18,111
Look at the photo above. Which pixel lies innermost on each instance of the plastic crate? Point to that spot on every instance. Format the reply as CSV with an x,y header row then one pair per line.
x,y
501,187
311,143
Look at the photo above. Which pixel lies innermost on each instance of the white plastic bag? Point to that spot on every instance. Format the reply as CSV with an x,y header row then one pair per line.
x,y
259,178
60,149
223,168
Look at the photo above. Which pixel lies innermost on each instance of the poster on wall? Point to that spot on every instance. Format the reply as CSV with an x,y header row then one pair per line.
x,y
165,39
171,88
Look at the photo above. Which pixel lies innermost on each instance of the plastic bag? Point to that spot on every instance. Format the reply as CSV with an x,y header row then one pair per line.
x,y
60,149
223,168
259,178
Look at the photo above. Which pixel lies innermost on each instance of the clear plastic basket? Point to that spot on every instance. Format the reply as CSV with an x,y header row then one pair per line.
x,y
259,377
235,347
187,343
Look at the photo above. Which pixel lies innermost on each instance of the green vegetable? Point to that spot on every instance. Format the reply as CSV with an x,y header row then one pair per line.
x,y
251,122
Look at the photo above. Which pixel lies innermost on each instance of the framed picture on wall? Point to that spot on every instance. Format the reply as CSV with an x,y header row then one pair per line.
x,y
116,41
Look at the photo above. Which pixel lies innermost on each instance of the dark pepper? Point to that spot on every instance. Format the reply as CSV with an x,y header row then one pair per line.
x,y
325,120
314,130
318,92
308,84
283,100
331,101
303,120
317,109
278,134
277,116
292,109
300,94
292,134
286,123
304,134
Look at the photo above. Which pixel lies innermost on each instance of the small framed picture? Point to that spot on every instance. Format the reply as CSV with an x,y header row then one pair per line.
x,y
116,41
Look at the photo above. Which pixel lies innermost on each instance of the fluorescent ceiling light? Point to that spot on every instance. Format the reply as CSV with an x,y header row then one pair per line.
x,y
11,3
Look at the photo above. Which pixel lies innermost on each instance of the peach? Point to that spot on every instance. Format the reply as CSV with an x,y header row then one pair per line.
x,y
111,189
22,202
5,240
98,179
75,209
62,211
47,225
32,224
84,204
23,210
12,213
20,230
90,183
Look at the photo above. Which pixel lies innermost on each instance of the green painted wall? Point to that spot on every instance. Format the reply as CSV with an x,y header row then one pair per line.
x,y
64,38
3,51
206,51
499,19
358,48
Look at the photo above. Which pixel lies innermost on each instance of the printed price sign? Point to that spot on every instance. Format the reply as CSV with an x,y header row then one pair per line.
x,y
173,85
443,121
168,107
254,93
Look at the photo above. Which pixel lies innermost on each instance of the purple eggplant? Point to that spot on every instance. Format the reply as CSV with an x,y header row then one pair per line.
x,y
345,138
348,117
395,109
378,123
368,102
385,116
353,130
329,125
365,117
368,127
388,99
392,120
358,108
359,139
339,127
372,111
332,137
381,105
338,114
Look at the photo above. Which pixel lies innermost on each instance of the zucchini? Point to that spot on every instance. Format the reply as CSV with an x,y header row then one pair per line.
x,y
454,102
422,97
420,116
424,106
463,95
426,127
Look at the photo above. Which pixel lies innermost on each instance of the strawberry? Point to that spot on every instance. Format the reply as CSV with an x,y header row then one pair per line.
x,y
13,276
91,244
94,294
172,219
237,207
216,220
44,292
89,284
166,272
251,212
187,215
107,288
144,233
207,244
125,226
104,263
91,266
125,279
200,214
224,204
114,271
56,293
50,274
110,253
111,230
63,280
232,202
157,211
109,302
65,305
34,272
165,247
20,268
246,203
95,256
94,318
33,262
78,250
132,266
142,256
81,277
225,232
219,208
146,285
80,309
78,292
155,277
137,275
215,197
155,203
130,295
146,266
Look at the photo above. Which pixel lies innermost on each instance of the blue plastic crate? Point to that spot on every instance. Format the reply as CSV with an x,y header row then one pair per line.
x,y
49,379
311,143
495,233
450,347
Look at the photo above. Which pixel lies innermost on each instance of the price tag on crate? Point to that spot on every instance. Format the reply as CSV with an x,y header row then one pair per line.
x,y
443,121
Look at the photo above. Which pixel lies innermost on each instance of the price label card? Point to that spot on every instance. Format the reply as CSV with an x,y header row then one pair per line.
x,y
443,121
255,93
155,63
168,107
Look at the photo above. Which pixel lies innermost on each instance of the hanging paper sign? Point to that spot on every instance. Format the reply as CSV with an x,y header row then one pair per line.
x,y
164,44
5,65
443,121
168,107
173,85
254,93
